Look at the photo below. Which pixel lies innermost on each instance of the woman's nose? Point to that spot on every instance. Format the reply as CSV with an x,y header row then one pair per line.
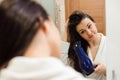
x,y
89,32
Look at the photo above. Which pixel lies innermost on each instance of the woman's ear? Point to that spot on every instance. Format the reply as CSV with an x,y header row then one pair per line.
x,y
44,26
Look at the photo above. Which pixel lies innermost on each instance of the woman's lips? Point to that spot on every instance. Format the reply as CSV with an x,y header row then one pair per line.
x,y
90,36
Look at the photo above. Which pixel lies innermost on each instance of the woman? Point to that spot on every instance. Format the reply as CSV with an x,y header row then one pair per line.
x,y
30,44
82,27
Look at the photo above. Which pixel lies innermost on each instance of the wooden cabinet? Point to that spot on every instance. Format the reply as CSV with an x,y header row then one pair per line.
x,y
95,8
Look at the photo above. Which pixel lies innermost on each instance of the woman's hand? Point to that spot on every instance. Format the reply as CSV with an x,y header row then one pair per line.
x,y
100,68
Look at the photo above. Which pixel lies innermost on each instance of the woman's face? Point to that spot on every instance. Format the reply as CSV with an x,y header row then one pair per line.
x,y
87,29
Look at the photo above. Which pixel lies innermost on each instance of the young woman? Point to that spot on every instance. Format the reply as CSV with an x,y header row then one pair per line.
x,y
30,44
82,27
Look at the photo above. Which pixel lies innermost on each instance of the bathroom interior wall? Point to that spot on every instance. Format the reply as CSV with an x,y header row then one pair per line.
x,y
49,6
113,39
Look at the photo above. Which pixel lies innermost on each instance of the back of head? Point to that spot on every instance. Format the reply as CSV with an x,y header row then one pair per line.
x,y
18,27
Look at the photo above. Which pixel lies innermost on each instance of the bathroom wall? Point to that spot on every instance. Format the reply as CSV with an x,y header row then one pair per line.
x,y
49,6
113,39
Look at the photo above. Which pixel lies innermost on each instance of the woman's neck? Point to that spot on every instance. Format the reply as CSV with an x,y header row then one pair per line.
x,y
37,51
39,47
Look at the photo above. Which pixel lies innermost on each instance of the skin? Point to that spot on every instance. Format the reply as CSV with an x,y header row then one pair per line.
x,y
46,42
87,30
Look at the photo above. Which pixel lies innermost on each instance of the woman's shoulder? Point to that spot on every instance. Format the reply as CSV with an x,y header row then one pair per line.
x,y
102,35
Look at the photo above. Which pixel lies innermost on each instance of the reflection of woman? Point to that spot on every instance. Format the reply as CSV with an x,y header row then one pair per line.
x,y
81,27
30,44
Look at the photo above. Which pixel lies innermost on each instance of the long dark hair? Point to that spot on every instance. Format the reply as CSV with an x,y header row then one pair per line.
x,y
18,26
75,18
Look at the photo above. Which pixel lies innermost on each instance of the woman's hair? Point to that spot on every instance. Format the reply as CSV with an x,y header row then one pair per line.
x,y
75,18
18,27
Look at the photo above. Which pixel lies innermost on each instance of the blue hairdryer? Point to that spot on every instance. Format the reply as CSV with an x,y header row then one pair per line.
x,y
84,61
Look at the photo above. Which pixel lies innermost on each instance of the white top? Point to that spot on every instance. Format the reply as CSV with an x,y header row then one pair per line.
x,y
100,57
49,68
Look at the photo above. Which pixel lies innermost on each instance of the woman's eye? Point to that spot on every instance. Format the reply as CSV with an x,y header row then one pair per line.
x,y
89,26
82,32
